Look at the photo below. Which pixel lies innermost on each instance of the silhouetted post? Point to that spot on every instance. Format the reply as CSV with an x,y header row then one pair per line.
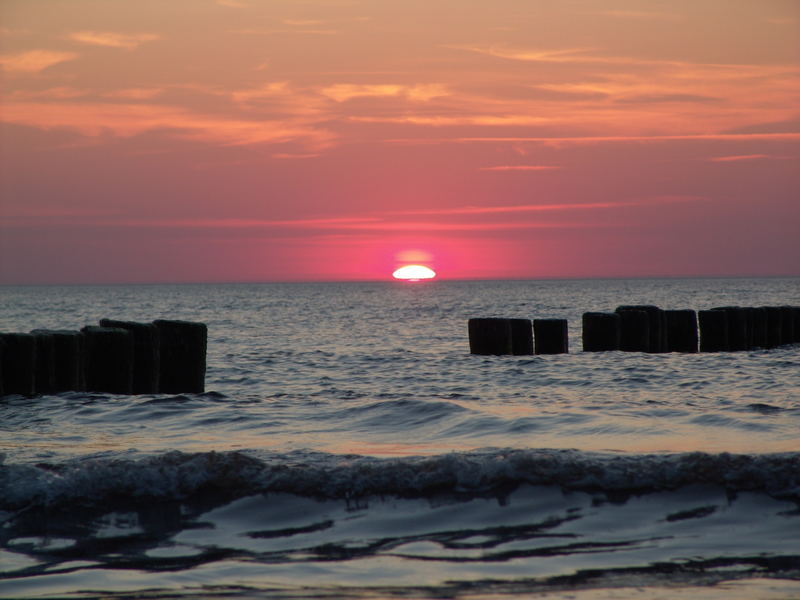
x,y
183,356
759,323
109,359
67,359
681,330
19,363
737,327
774,326
796,313
600,331
634,330
521,337
489,336
749,321
146,354
551,336
656,329
45,362
713,330
788,324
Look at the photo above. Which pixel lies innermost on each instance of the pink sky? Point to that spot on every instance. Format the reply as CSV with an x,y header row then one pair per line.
x,y
254,140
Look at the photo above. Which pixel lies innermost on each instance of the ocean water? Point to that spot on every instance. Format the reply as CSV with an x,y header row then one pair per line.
x,y
349,446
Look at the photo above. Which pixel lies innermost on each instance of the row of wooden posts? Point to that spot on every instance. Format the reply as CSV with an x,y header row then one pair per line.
x,y
643,328
118,357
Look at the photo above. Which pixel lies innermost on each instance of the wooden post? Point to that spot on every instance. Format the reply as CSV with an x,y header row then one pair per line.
x,y
788,325
796,313
655,319
19,363
759,323
109,359
45,362
681,330
183,356
600,331
521,336
551,336
737,327
489,336
774,326
67,359
634,330
145,354
713,330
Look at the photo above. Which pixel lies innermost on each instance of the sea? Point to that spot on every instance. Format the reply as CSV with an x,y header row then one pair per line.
x,y
348,446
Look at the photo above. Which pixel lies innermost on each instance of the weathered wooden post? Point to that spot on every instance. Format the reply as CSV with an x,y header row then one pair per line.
x,y
109,359
600,331
758,318
713,330
681,330
656,325
489,335
19,363
788,325
774,326
550,336
737,327
521,336
796,313
634,330
183,356
146,354
45,362
67,359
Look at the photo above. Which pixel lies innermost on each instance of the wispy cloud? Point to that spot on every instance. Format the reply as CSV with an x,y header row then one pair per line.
x,y
341,92
528,208
134,93
520,168
126,120
447,121
641,15
740,157
53,93
232,3
34,61
303,22
113,40
572,140
290,30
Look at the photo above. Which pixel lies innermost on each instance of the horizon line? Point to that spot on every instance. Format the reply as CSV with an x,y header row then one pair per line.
x,y
395,281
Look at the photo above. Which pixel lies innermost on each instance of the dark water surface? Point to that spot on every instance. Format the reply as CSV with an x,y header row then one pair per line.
x,y
348,446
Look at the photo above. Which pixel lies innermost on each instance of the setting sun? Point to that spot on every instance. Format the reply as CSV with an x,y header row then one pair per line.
x,y
414,273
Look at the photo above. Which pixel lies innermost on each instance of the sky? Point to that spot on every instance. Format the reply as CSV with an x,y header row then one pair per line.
x,y
283,140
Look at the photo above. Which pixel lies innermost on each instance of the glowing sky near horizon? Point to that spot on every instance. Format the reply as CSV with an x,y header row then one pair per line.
x,y
249,140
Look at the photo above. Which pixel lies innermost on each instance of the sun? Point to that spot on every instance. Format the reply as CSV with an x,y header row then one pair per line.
x,y
414,273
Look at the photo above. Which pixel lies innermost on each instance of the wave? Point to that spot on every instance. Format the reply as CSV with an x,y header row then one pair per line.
x,y
92,481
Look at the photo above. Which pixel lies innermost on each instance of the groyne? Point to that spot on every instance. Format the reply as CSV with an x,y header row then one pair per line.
x,y
117,357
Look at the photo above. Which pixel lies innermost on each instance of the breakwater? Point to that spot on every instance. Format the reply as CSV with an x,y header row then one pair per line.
x,y
643,328
118,357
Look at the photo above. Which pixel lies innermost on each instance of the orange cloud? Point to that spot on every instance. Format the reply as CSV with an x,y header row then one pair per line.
x,y
34,61
443,121
113,40
341,92
572,140
126,120
134,93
